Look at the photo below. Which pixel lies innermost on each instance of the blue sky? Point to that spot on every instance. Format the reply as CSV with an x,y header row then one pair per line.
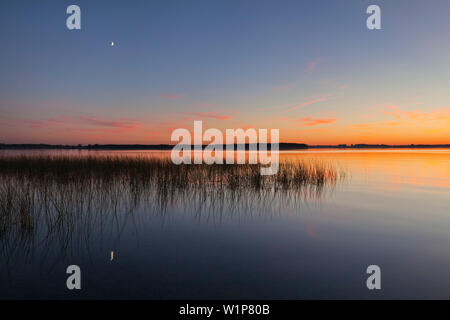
x,y
310,68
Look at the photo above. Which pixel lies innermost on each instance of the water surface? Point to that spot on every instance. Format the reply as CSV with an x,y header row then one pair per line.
x,y
392,210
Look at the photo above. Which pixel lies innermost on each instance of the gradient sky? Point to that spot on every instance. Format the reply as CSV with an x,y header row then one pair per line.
x,y
310,68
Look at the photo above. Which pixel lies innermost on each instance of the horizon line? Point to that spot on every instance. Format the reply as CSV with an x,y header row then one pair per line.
x,y
162,146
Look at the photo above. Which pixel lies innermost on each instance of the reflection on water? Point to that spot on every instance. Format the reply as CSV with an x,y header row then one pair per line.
x,y
57,207
215,238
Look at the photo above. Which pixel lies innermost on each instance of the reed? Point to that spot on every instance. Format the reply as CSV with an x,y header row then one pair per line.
x,y
141,171
69,197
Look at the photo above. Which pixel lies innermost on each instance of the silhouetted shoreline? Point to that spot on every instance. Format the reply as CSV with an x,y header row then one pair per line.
x,y
282,146
381,146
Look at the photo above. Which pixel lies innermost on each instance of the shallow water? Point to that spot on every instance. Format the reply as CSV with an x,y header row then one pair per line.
x,y
392,210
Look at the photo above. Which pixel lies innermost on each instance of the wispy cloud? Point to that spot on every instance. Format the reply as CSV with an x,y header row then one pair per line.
x,y
313,64
375,125
310,121
118,123
309,102
172,96
31,123
63,121
442,114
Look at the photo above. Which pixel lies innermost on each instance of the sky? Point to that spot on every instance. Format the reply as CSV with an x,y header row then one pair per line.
x,y
311,69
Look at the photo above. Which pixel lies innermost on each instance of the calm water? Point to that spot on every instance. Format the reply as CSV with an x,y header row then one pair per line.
x,y
392,210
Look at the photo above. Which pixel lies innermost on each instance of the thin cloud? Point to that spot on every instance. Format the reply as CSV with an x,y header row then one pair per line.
x,y
120,123
172,96
310,121
309,102
376,125
40,123
313,64
442,114
66,121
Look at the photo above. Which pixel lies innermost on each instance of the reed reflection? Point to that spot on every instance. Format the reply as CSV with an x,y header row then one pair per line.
x,y
52,207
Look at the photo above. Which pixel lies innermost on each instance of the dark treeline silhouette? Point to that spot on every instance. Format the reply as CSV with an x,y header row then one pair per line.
x,y
282,146
379,146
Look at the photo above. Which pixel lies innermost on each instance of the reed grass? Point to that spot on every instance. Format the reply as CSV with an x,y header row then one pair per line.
x,y
141,171
75,195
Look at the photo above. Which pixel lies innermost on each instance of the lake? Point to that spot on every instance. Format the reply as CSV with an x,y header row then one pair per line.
x,y
391,209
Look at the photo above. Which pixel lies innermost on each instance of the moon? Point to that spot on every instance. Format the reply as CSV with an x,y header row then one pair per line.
x,y
112,43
